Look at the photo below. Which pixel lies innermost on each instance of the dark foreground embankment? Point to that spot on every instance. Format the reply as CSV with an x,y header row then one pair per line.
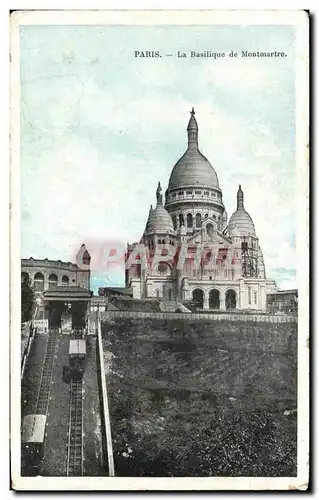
x,y
202,398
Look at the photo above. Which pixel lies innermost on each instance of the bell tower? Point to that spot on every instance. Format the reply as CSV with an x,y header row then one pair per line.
x,y
83,273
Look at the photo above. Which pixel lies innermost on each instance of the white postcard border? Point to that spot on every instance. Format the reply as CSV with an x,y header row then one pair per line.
x,y
177,17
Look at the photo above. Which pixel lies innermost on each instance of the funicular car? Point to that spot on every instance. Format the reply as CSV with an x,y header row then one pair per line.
x,y
32,439
77,355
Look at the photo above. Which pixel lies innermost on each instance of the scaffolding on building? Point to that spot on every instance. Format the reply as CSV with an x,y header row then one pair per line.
x,y
249,257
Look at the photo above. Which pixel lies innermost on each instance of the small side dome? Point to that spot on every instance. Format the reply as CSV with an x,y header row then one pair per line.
x,y
241,219
159,220
234,231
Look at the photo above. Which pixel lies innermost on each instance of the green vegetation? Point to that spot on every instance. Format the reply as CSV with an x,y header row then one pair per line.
x,y
202,398
27,299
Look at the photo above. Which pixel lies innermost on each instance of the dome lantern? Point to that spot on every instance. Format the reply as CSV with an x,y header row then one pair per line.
x,y
192,131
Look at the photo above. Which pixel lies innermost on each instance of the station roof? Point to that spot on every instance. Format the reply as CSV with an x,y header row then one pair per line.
x,y
33,428
77,346
117,290
67,294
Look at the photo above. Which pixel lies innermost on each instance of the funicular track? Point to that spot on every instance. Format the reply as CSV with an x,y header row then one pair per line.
x,y
75,432
75,435
46,376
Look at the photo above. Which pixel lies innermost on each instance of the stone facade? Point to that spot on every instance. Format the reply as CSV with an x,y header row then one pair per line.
x,y
45,274
189,250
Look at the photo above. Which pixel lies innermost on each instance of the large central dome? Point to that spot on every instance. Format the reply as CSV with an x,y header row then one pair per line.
x,y
193,169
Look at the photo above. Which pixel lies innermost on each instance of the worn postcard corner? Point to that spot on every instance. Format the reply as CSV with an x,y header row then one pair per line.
x,y
159,250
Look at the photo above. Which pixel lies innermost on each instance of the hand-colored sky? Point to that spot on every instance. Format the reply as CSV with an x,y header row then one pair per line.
x,y
99,128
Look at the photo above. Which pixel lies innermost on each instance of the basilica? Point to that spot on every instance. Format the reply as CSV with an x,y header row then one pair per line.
x,y
190,251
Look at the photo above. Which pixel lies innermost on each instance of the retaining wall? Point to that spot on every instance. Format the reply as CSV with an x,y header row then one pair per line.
x,y
255,318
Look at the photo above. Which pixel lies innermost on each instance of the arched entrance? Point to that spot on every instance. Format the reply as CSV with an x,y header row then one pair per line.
x,y
198,297
230,299
214,299
39,282
53,280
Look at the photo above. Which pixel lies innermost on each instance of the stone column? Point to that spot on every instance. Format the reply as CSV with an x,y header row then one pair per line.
x,y
241,295
206,301
46,281
262,297
222,302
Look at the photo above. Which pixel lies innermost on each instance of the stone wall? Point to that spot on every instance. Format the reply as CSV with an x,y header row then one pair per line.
x,y
232,317
190,395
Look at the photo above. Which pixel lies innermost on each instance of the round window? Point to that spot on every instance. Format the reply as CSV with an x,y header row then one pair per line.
x,y
163,268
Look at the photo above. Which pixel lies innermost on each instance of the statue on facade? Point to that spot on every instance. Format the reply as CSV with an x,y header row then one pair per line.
x,y
159,195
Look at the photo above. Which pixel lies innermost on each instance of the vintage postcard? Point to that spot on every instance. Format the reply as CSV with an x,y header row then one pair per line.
x,y
159,250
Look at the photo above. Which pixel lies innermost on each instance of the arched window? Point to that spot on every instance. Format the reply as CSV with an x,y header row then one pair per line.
x,y
198,220
53,280
210,230
214,217
65,280
181,219
206,216
169,294
189,219
157,293
39,282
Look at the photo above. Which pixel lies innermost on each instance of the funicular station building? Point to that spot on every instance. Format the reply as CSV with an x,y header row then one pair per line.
x,y
62,289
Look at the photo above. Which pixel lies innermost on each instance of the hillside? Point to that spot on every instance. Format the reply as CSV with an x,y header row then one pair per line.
x,y
202,398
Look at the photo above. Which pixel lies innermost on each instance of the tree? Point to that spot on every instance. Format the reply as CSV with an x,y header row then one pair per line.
x,y
27,299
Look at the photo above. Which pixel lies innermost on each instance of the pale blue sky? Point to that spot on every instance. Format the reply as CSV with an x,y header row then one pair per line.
x,y
99,128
